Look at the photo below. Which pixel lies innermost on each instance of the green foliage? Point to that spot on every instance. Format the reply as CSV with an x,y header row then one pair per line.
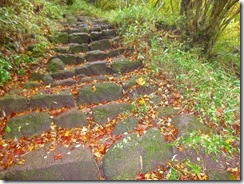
x,y
5,66
205,20
24,26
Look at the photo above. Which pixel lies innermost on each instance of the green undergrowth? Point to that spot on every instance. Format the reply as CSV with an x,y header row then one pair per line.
x,y
208,84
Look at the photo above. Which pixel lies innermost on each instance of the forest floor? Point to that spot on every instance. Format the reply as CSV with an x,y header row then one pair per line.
x,y
92,111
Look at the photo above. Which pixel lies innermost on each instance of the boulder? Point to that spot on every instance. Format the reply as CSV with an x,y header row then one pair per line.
x,y
99,93
187,123
100,45
77,48
166,111
55,65
123,65
95,55
70,164
13,104
36,76
52,101
28,125
63,74
133,154
125,125
61,38
79,38
71,119
103,113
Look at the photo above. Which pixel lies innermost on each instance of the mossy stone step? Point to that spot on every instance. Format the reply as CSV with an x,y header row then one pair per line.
x,y
79,38
133,154
103,113
13,104
74,164
28,125
52,101
99,93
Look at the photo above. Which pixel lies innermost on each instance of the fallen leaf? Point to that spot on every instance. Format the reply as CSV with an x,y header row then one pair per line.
x,y
58,156
140,81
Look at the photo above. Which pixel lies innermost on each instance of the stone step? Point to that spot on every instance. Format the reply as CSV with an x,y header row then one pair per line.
x,y
64,163
83,35
119,65
98,44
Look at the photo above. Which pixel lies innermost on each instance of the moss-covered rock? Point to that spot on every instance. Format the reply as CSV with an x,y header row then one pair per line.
x,y
99,93
52,101
166,111
187,123
74,164
125,125
31,85
55,65
76,48
123,65
100,45
65,82
103,113
70,119
12,104
36,76
61,38
95,55
134,154
131,82
67,59
63,74
79,38
47,79
28,125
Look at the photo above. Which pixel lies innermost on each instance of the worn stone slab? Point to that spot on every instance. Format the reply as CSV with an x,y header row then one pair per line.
x,y
103,113
99,93
166,111
79,38
68,59
94,78
94,36
103,44
115,52
28,125
65,82
47,79
36,76
62,50
77,48
99,68
31,84
123,65
83,70
131,82
61,38
110,32
12,104
71,119
52,101
95,55
187,123
125,125
55,65
133,154
63,74
75,164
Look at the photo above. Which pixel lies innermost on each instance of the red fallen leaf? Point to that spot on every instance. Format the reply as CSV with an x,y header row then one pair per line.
x,y
19,152
13,114
140,176
39,141
183,178
58,156
175,132
168,138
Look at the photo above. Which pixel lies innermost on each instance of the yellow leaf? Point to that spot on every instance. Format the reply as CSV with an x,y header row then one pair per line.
x,y
141,101
140,81
67,133
94,88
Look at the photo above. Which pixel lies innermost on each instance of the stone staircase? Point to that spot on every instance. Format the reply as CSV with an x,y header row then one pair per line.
x,y
72,119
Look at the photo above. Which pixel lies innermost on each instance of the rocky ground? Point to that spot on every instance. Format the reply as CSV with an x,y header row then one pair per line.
x,y
93,112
